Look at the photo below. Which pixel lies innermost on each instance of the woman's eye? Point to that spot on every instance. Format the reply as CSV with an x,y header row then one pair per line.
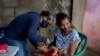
x,y
62,27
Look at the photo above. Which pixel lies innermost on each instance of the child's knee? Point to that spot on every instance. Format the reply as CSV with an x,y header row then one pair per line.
x,y
65,52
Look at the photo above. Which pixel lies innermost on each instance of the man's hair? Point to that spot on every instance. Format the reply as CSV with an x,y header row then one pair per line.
x,y
45,13
60,17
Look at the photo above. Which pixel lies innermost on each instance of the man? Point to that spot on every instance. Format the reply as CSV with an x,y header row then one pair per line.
x,y
25,26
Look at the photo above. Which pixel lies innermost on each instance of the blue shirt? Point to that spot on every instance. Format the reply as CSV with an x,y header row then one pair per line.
x,y
64,42
25,26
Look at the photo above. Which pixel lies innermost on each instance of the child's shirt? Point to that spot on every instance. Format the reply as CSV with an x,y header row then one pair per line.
x,y
64,42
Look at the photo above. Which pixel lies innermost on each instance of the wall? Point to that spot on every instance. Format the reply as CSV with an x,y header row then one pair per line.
x,y
91,23
78,14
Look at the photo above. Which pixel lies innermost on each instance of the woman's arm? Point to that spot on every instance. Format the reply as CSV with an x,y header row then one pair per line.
x,y
73,48
54,48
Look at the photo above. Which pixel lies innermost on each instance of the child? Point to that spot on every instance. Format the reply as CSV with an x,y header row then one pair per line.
x,y
66,37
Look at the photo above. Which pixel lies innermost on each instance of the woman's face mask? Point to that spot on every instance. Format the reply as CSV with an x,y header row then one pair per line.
x,y
65,25
44,24
65,29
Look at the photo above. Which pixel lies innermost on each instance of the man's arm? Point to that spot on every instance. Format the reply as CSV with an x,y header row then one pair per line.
x,y
33,26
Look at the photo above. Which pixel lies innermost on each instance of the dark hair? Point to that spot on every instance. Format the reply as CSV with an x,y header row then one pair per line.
x,y
60,17
45,13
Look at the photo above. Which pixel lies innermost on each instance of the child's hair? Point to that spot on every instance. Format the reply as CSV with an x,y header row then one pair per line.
x,y
62,16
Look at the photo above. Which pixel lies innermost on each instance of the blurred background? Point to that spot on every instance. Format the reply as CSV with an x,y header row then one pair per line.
x,y
84,14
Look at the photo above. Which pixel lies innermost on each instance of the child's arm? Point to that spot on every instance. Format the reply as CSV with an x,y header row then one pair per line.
x,y
73,48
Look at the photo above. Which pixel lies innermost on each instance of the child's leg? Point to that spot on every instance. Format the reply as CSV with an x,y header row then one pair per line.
x,y
64,52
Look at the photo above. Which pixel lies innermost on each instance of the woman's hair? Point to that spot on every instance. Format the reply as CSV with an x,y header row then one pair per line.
x,y
62,16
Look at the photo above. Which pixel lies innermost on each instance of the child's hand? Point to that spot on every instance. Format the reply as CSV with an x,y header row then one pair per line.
x,y
54,54
55,51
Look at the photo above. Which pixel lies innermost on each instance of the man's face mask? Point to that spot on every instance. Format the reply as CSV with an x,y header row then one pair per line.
x,y
46,21
44,24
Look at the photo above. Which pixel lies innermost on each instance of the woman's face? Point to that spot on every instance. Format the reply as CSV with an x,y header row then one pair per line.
x,y
65,25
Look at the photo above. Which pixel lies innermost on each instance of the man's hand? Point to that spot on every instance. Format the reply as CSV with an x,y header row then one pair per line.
x,y
48,41
42,49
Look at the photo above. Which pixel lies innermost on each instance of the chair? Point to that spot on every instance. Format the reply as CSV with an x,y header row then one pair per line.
x,y
83,44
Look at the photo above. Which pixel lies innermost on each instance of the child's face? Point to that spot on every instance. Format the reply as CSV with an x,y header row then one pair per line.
x,y
65,25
